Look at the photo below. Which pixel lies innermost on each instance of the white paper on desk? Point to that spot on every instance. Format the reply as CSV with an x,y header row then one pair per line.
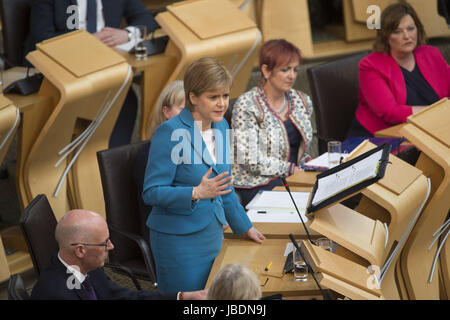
x,y
335,183
320,161
289,248
126,46
278,200
276,215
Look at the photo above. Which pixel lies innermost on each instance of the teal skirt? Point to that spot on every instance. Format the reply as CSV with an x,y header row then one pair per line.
x,y
183,262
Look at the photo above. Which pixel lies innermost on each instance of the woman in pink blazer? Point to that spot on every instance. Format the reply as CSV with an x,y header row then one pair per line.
x,y
401,77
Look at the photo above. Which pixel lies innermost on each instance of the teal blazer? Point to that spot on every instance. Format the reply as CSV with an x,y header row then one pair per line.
x,y
177,161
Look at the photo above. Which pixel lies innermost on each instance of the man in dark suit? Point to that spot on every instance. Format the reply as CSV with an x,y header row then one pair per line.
x,y
102,18
76,273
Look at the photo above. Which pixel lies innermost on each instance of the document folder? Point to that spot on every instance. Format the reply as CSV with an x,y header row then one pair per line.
x,y
348,178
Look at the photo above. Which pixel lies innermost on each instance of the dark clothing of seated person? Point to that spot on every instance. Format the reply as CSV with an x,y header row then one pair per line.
x,y
76,273
102,18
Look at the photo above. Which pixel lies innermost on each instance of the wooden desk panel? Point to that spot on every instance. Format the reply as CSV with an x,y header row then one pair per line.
x,y
257,257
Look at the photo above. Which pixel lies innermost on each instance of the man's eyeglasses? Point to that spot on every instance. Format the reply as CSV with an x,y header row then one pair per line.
x,y
103,244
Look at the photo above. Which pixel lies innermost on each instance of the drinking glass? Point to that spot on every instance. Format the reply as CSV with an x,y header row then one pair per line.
x,y
334,153
300,267
325,243
140,50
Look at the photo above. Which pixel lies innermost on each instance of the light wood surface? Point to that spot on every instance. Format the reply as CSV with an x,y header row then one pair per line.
x,y
437,127
393,200
257,257
352,230
289,19
434,24
78,97
334,266
303,179
359,7
391,132
9,122
232,37
18,260
196,14
434,161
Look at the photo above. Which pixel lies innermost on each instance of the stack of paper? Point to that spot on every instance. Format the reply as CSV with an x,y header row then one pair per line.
x,y
344,179
277,206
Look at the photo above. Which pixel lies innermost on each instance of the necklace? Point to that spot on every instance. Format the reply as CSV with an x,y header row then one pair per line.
x,y
281,110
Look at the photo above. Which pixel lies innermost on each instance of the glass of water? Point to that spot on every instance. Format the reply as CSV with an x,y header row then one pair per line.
x,y
334,153
300,267
325,243
140,50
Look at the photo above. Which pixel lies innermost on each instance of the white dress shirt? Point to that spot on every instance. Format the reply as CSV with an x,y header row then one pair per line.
x,y
75,270
82,13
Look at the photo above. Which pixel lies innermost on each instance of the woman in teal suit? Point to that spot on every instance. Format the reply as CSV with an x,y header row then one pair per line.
x,y
188,183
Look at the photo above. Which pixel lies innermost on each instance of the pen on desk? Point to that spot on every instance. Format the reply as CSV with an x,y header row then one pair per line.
x,y
267,268
262,211
313,168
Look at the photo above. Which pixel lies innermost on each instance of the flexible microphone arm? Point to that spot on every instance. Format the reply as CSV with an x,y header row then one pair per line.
x,y
325,295
285,184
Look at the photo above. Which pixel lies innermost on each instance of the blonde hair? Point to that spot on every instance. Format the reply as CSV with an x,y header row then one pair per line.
x,y
235,282
172,95
205,74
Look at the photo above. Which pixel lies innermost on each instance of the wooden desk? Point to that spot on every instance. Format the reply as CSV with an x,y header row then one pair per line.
x,y
20,101
152,83
391,132
257,257
303,179
280,230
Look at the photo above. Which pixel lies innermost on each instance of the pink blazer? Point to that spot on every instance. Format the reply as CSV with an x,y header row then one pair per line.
x,y
382,89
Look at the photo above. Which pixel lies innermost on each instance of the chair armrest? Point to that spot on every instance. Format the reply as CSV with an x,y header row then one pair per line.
x,y
145,250
127,271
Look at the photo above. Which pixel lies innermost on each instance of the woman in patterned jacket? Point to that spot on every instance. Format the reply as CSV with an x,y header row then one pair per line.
x,y
271,123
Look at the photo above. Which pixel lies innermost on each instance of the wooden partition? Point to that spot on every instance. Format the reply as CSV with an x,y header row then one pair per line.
x,y
290,19
429,130
379,226
88,83
228,35
17,258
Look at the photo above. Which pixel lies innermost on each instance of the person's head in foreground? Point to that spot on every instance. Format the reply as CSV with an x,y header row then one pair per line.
x,y
83,239
235,282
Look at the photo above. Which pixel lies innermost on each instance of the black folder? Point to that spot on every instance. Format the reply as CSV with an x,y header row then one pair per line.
x,y
346,190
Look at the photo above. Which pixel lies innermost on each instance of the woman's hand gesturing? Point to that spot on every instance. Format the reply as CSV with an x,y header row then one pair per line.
x,y
209,188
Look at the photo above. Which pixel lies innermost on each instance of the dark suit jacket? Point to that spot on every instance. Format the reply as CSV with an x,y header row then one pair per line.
x,y
52,285
48,18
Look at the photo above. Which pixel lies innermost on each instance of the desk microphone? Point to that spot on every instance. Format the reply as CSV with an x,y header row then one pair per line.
x,y
324,294
285,184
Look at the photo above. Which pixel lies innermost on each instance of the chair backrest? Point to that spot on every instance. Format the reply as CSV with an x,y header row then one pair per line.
x,y
15,16
334,88
38,224
122,193
16,288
